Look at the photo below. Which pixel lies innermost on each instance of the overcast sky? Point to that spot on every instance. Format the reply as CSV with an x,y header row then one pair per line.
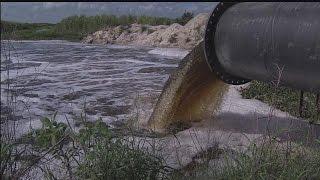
x,y
53,12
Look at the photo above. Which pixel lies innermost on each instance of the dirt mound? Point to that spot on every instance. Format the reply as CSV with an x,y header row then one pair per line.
x,y
175,35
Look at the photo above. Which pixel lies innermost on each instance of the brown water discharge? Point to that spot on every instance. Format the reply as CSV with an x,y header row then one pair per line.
x,y
191,93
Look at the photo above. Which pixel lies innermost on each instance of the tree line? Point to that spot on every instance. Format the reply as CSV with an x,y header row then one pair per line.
x,y
89,24
76,27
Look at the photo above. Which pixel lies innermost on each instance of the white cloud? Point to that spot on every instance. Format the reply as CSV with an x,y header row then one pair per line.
x,y
54,11
149,7
49,5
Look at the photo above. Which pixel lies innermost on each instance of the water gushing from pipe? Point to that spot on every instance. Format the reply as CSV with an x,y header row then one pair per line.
x,y
191,93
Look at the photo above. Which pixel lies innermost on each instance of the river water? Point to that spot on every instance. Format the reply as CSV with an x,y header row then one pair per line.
x,y
69,78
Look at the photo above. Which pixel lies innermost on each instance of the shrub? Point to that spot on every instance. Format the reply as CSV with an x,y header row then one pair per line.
x,y
283,98
50,133
6,159
111,158
185,18
104,154
269,161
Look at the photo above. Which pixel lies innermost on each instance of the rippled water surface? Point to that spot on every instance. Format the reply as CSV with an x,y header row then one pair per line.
x,y
61,76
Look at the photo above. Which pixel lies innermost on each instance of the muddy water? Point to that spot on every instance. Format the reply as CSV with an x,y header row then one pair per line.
x,y
192,93
102,80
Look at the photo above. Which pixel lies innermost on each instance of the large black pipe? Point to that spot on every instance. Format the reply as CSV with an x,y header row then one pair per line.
x,y
266,41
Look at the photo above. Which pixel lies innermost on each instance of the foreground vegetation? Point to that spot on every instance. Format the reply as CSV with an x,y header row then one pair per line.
x,y
74,28
283,98
93,152
96,152
268,160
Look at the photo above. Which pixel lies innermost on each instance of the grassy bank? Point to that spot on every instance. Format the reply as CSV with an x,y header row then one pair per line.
x,y
268,160
92,152
283,98
74,28
34,31
96,152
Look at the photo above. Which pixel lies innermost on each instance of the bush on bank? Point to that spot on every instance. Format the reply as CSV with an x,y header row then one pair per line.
x,y
283,98
96,151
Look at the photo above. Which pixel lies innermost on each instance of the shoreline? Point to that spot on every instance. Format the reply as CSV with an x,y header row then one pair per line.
x,y
156,50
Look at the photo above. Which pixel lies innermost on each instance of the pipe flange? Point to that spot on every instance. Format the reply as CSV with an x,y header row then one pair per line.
x,y
209,46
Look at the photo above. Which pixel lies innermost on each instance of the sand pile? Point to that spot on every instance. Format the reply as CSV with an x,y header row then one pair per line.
x,y
175,35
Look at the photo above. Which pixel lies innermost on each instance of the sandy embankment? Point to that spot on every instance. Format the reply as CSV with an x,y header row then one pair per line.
x,y
175,35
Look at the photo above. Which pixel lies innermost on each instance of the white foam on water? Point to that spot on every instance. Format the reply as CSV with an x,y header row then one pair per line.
x,y
98,76
170,52
115,46
136,61
235,103
40,41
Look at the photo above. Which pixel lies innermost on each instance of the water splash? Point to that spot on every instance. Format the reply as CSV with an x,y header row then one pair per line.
x,y
191,93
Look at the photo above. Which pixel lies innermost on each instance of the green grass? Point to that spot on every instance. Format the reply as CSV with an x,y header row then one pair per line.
x,y
268,161
283,98
109,157
117,161
74,28
104,154
29,31
271,162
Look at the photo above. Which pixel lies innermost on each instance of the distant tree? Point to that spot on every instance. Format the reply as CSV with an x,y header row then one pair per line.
x,y
82,25
185,18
